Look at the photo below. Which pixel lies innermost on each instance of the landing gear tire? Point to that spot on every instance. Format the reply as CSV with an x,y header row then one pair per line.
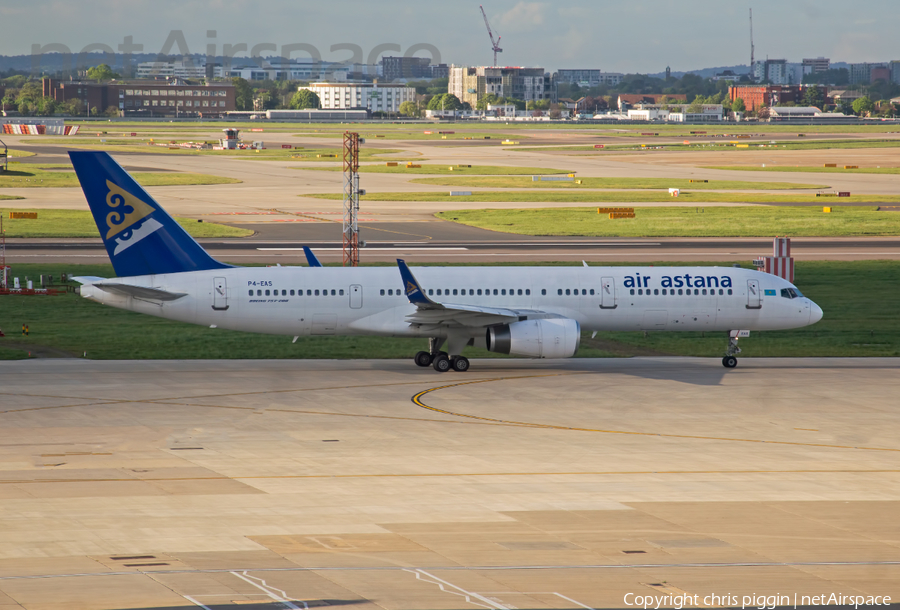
x,y
729,362
441,363
460,364
422,359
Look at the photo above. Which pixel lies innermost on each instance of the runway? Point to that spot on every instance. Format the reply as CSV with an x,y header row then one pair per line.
x,y
375,484
439,241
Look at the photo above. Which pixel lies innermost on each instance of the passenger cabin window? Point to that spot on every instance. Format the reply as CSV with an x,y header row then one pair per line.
x,y
251,293
382,292
479,292
495,292
292,292
430,292
528,291
267,293
543,292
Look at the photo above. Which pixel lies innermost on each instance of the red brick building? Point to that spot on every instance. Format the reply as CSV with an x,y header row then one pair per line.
x,y
757,96
147,97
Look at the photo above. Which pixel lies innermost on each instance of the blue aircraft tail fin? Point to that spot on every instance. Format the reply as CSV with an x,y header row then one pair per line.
x,y
140,237
414,291
311,258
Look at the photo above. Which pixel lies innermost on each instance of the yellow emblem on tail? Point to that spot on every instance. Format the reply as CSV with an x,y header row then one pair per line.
x,y
410,288
119,220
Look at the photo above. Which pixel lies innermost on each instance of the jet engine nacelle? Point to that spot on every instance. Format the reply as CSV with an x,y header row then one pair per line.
x,y
548,338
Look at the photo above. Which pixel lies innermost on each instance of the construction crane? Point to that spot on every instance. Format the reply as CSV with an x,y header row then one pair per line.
x,y
494,45
752,57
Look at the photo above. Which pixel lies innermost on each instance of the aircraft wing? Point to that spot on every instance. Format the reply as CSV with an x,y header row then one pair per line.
x,y
140,292
429,312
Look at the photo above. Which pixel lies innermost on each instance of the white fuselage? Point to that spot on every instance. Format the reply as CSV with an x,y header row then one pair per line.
x,y
370,300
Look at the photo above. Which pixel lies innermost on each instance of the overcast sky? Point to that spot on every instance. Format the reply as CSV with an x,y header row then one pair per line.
x,y
616,36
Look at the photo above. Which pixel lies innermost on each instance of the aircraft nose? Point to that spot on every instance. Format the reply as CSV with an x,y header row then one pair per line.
x,y
815,313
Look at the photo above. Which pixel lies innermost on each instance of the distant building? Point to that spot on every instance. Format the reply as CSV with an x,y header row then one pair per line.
x,y
146,97
405,68
775,71
861,74
440,71
470,84
317,116
840,96
727,75
175,69
895,71
803,113
816,66
677,113
880,73
756,96
276,68
374,97
588,78
631,100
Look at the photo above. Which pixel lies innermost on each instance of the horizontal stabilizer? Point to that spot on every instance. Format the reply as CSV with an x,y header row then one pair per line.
x,y
140,292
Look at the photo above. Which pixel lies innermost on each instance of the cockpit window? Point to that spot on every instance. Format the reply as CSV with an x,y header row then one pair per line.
x,y
791,293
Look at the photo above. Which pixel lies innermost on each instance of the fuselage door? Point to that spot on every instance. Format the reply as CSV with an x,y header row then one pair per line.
x,y
754,298
220,294
355,296
608,293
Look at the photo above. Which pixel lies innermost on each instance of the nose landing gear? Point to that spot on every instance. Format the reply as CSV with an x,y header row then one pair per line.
x,y
730,361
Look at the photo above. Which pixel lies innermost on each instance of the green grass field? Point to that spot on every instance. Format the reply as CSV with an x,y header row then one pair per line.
x,y
706,146
613,183
719,221
858,298
96,125
808,169
19,153
416,134
80,223
613,197
48,176
475,170
114,145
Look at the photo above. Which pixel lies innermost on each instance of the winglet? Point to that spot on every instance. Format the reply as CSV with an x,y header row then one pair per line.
x,y
414,291
311,258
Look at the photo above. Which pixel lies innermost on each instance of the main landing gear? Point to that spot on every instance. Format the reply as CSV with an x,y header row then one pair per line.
x,y
730,361
441,361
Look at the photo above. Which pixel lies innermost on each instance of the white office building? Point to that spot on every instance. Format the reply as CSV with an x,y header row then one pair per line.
x,y
276,69
175,69
376,97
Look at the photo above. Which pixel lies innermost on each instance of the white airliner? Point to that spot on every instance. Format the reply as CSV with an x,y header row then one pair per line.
x,y
537,312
